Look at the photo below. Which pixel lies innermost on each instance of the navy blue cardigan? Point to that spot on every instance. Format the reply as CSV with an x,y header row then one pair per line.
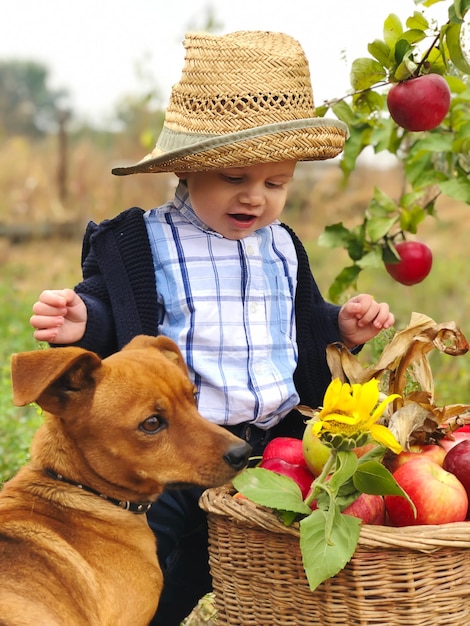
x,y
120,293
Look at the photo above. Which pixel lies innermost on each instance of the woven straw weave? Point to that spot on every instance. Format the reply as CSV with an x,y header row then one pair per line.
x,y
413,576
322,143
233,87
243,98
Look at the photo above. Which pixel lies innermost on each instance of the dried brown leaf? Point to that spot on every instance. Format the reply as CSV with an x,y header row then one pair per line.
x,y
411,423
306,411
345,365
409,347
414,418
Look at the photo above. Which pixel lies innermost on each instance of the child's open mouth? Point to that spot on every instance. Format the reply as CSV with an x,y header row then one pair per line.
x,y
243,218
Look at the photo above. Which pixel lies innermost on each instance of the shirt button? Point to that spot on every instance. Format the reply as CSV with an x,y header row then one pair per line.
x,y
250,249
253,307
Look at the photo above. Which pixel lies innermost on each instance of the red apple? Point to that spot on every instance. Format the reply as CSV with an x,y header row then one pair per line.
x,y
367,447
414,265
432,451
369,508
315,451
457,461
286,448
438,495
419,103
457,437
299,473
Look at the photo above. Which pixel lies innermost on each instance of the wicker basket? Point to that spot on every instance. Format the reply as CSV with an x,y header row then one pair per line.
x,y
413,576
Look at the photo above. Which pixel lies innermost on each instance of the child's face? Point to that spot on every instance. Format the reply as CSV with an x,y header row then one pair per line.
x,y
237,201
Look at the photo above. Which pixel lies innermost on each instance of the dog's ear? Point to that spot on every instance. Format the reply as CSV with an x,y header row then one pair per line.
x,y
170,350
34,373
165,345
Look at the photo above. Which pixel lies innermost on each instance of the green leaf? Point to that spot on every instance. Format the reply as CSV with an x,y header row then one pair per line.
x,y
415,169
458,86
381,207
344,501
416,200
374,454
436,63
374,478
458,189
380,51
344,280
323,560
365,73
452,37
410,218
429,3
405,69
371,259
358,139
343,112
346,465
384,200
384,136
460,7
368,102
347,490
378,227
288,517
418,21
334,236
414,35
432,142
402,50
460,143
355,250
464,7
270,489
393,29
389,253
321,110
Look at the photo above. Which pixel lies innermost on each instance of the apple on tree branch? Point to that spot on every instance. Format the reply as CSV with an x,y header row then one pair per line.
x,y
423,119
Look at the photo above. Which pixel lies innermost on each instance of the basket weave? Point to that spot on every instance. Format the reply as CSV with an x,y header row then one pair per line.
x,y
413,576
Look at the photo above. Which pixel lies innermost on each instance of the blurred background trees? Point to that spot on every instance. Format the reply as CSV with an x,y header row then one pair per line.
x,y
28,106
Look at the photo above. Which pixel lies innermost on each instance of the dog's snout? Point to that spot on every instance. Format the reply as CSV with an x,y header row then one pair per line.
x,y
238,455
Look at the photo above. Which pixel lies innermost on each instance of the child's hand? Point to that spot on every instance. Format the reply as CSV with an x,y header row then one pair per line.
x,y
60,316
361,318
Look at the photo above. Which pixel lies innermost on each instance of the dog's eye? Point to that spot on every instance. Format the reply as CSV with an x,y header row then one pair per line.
x,y
153,424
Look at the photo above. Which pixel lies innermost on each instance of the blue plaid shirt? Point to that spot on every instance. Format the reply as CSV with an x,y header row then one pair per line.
x,y
229,305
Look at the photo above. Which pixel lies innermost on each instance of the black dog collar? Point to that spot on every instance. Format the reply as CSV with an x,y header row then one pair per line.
x,y
134,507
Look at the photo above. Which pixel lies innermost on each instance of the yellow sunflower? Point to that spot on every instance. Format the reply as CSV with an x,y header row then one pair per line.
x,y
352,411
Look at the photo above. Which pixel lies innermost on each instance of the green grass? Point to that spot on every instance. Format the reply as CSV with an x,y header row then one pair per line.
x,y
17,424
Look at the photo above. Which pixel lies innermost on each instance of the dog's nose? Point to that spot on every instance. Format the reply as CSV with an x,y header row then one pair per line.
x,y
238,455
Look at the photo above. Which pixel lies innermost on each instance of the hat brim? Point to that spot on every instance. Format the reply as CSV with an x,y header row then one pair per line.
x,y
312,139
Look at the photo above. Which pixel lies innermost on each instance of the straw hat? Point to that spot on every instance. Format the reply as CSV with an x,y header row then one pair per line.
x,y
243,98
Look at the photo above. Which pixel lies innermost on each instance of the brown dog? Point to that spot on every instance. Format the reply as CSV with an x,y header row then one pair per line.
x,y
75,547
